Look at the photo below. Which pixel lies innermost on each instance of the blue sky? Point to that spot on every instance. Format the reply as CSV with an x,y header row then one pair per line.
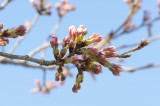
x,y
141,88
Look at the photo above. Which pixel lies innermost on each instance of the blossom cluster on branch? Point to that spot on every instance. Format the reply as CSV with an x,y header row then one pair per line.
x,y
83,57
87,54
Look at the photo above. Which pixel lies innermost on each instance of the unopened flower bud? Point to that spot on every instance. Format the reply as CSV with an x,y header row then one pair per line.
x,y
73,32
21,30
109,52
97,69
74,59
115,69
144,42
56,78
54,41
63,77
3,41
65,41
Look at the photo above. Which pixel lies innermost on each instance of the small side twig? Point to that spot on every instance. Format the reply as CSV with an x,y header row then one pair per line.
x,y
4,4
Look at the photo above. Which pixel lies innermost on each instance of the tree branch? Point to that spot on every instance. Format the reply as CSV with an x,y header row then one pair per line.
x,y
19,57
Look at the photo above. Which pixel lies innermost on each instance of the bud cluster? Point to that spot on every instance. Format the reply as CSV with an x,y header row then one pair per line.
x,y
63,7
134,5
48,86
41,8
10,33
77,50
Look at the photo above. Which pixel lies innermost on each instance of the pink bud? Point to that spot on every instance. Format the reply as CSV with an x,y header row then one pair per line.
x,y
72,32
109,52
54,41
82,30
115,69
3,41
93,51
74,59
65,41
96,37
21,30
97,69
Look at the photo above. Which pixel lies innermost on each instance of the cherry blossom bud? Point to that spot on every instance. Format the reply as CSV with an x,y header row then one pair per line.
x,y
65,41
54,41
115,69
74,59
73,32
89,51
144,42
74,89
109,52
96,37
3,41
63,77
97,69
92,39
82,30
56,78
21,30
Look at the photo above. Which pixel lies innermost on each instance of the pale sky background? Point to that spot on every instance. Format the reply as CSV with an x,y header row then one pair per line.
x,y
141,88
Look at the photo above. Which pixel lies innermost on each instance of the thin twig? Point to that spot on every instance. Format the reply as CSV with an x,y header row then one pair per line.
x,y
152,65
132,45
4,4
27,65
19,57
